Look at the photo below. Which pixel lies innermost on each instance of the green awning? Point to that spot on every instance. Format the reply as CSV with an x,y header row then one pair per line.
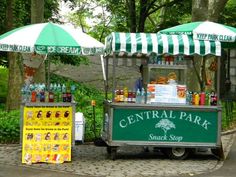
x,y
148,43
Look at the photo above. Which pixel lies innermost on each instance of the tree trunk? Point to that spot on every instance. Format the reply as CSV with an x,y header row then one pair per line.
x,y
37,16
207,9
142,15
14,81
132,14
215,7
199,10
15,74
37,11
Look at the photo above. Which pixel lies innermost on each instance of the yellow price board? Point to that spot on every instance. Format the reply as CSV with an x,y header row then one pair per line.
x,y
47,134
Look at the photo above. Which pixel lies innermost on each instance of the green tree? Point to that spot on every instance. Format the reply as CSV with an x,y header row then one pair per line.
x,y
37,16
14,77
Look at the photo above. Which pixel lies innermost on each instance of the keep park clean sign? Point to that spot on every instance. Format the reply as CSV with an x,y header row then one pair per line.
x,y
214,37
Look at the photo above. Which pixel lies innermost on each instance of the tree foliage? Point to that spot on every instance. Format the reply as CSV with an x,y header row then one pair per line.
x,y
229,14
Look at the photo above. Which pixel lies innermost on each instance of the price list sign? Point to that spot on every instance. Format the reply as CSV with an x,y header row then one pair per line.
x,y
47,134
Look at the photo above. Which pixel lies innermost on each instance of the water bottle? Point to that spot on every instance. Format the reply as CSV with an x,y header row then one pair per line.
x,y
58,93
148,97
72,88
143,94
51,87
138,96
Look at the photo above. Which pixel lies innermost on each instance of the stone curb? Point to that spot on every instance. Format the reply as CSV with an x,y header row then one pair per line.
x,y
228,132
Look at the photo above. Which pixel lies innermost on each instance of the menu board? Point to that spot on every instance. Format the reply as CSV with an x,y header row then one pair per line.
x,y
47,134
161,93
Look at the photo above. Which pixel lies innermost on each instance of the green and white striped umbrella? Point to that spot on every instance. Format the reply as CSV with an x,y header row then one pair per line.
x,y
204,31
147,43
45,38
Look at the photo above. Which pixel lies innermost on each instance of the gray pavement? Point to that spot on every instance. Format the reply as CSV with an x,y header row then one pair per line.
x,y
89,160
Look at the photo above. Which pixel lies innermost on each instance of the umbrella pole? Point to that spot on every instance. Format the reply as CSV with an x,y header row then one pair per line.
x,y
48,73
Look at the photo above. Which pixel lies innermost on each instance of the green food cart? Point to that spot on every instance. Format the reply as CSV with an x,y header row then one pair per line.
x,y
175,127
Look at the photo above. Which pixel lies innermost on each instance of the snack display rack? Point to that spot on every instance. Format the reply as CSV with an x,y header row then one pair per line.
x,y
47,131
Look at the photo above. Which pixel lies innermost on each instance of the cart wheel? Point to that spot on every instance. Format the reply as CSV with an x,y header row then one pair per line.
x,y
113,153
177,153
218,153
109,149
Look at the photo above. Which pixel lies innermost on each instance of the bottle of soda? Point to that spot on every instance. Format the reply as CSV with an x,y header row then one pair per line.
x,y
33,96
202,98
125,94
133,96
63,90
121,95
68,94
51,93
213,99
196,98
130,95
117,95
72,88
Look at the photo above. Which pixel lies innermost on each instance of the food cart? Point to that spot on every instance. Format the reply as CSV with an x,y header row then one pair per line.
x,y
165,118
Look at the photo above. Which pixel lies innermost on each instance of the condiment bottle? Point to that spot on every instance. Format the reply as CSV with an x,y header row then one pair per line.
x,y
202,98
33,96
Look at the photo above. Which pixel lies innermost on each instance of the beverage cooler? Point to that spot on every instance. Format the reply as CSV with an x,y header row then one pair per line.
x,y
167,113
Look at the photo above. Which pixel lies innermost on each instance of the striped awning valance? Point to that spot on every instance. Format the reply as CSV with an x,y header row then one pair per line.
x,y
147,43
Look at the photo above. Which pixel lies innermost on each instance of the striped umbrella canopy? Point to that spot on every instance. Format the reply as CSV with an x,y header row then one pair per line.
x,y
147,43
46,38
205,30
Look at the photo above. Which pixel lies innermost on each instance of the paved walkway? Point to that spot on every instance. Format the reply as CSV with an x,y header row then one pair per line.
x,y
89,160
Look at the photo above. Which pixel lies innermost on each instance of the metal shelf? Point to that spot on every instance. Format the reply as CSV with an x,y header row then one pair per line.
x,y
167,66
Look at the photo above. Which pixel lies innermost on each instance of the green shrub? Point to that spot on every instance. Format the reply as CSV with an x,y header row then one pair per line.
x,y
228,115
9,127
83,95
3,84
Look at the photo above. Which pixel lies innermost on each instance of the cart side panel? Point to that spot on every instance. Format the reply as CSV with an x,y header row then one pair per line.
x,y
165,125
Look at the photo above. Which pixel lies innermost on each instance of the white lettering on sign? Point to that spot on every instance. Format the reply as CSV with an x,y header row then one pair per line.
x,y
66,50
215,37
153,137
16,48
164,114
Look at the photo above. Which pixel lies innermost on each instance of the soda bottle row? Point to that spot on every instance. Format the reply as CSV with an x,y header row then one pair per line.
x,y
201,98
130,96
167,60
39,93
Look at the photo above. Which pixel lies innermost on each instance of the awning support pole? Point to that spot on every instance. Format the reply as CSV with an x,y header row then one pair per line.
x,y
114,76
218,79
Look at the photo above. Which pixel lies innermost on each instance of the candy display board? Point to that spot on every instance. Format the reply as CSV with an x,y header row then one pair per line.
x,y
47,134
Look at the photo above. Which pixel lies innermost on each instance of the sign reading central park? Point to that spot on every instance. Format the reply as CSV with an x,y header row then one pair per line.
x,y
165,125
